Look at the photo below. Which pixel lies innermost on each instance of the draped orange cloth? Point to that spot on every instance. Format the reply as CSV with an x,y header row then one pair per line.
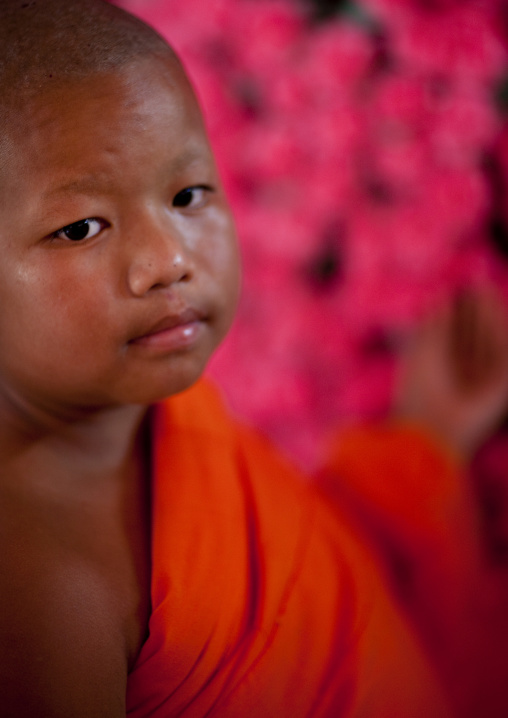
x,y
416,508
265,603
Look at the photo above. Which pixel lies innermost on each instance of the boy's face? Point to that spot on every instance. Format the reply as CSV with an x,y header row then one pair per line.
x,y
119,270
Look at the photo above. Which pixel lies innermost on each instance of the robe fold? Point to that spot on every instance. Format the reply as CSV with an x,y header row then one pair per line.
x,y
265,601
416,507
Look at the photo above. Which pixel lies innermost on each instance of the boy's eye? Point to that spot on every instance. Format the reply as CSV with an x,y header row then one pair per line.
x,y
191,197
84,229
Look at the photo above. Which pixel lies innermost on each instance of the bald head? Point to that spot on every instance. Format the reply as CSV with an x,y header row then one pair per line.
x,y
43,42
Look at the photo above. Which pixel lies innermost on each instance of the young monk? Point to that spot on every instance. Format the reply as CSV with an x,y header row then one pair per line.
x,y
156,558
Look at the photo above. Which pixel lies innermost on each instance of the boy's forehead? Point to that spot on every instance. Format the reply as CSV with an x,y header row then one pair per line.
x,y
119,142
49,43
134,99
60,97
150,81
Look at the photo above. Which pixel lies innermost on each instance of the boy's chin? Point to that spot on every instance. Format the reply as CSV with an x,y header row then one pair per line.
x,y
168,377
159,388
166,392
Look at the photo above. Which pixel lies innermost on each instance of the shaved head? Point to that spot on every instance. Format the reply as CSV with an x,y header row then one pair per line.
x,y
48,44
44,42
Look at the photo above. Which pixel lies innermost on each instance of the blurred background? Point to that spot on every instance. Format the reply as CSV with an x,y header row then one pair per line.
x,y
362,146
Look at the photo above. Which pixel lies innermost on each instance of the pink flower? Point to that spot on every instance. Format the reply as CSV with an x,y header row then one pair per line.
x,y
461,41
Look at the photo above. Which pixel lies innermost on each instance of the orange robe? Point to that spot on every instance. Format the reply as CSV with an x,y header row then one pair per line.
x,y
418,511
264,601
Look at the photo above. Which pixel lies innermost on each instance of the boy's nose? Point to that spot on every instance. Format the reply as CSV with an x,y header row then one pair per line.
x,y
159,258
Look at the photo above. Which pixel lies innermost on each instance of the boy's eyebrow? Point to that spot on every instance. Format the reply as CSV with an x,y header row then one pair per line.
x,y
83,185
191,156
87,184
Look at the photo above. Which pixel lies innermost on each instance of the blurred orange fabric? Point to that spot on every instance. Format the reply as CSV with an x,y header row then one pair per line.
x,y
415,506
264,602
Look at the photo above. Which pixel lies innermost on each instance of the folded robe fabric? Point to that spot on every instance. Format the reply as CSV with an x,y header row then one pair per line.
x,y
417,509
265,604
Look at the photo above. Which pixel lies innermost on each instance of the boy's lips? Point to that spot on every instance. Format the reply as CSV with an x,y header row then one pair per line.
x,y
173,331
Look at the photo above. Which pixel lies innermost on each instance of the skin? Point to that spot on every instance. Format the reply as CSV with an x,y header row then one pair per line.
x,y
80,363
133,141
454,375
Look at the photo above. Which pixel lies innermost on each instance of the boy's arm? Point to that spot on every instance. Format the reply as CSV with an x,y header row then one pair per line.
x,y
406,476
60,654
404,485
404,481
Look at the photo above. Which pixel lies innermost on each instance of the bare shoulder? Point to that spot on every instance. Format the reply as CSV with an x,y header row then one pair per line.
x,y
62,639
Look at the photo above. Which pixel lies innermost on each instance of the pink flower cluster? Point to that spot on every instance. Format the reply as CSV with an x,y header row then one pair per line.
x,y
352,153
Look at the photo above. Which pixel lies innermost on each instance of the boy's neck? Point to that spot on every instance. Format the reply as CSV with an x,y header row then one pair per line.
x,y
94,440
